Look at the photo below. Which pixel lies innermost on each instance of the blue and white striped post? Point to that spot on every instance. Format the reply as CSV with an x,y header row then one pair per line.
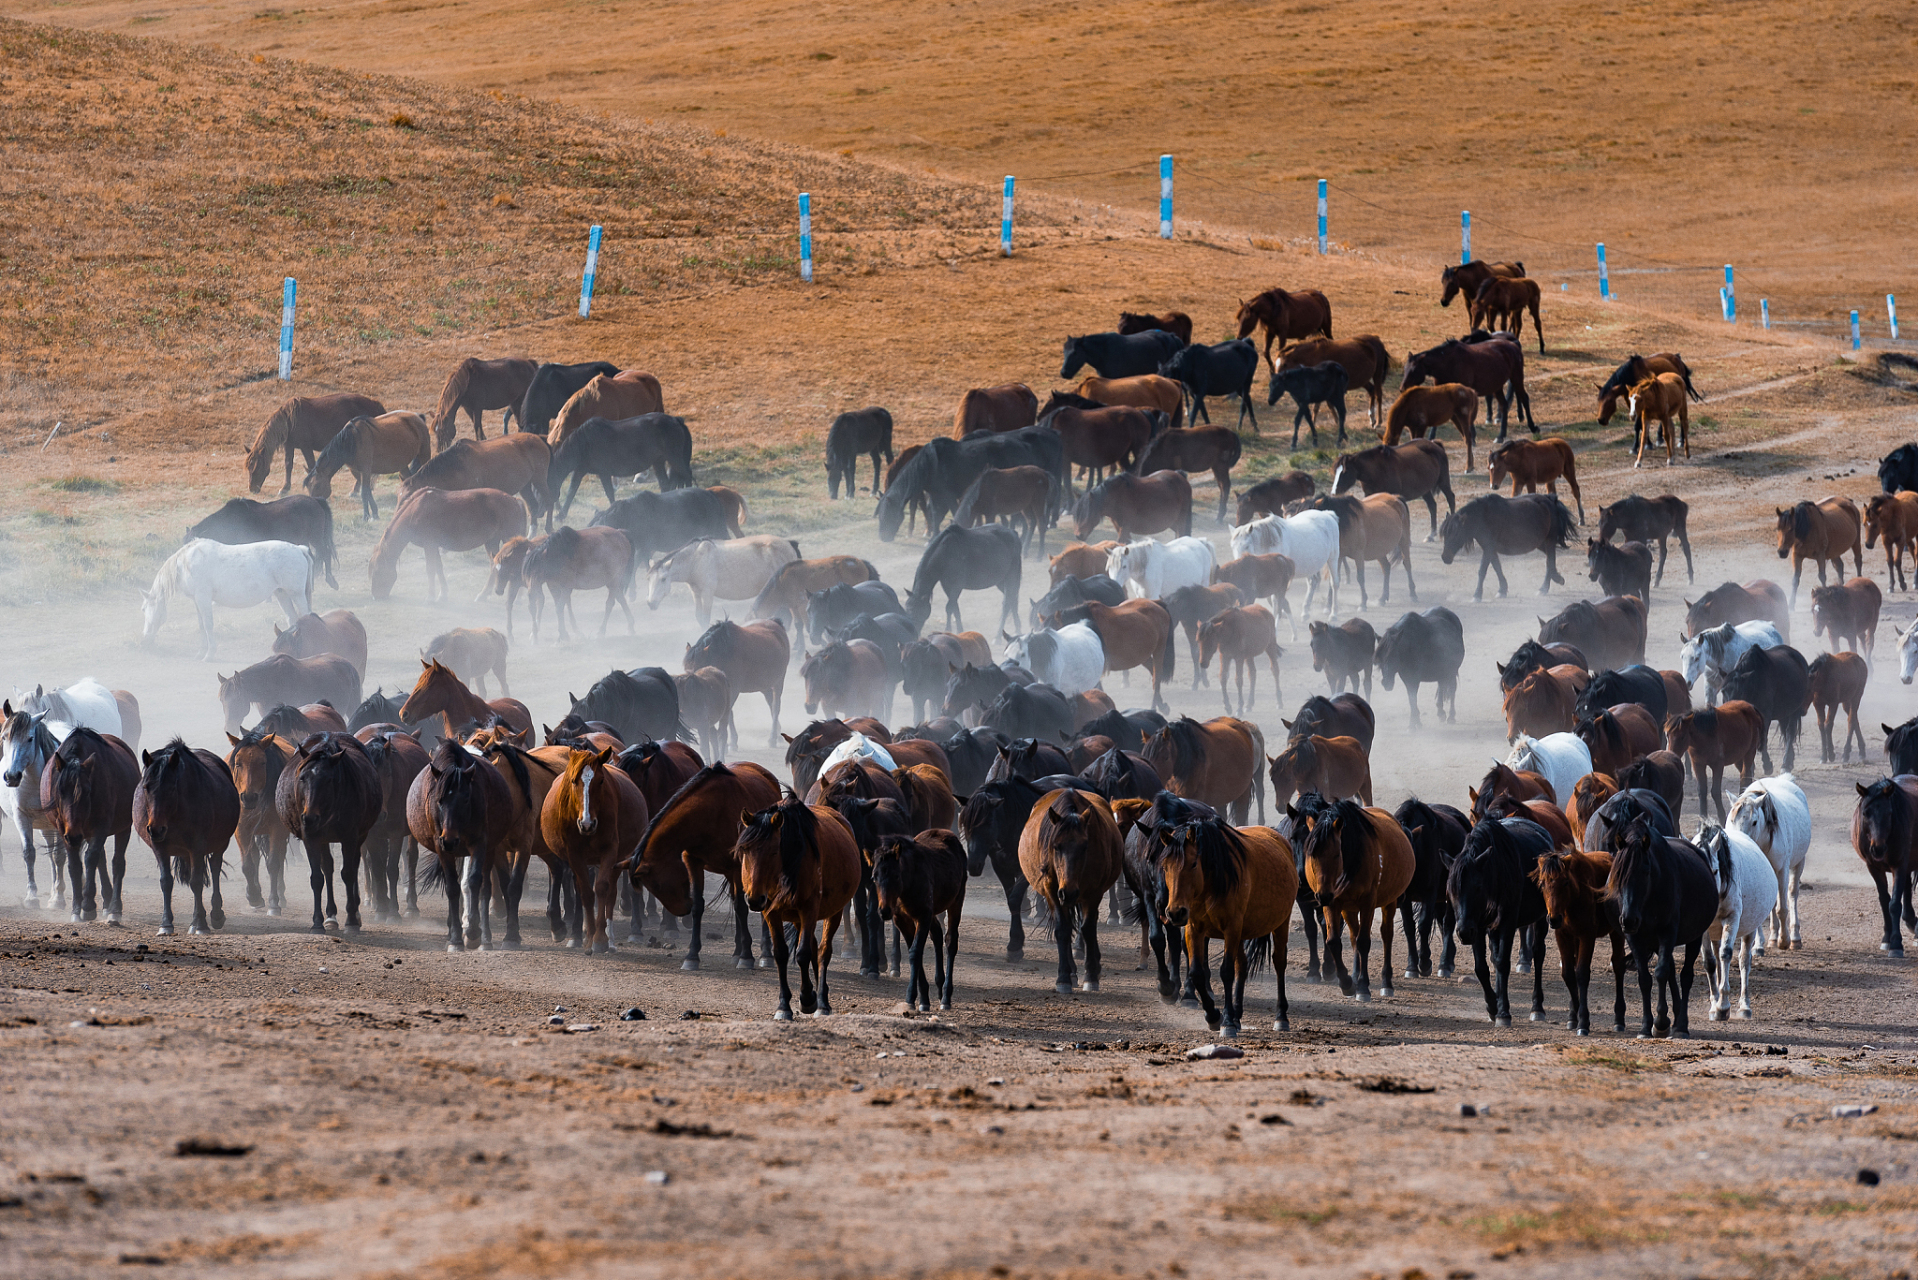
x,y
805,236
288,292
1464,236
1604,276
1728,297
1005,220
1165,197
1854,331
1321,215
592,269
1764,311
1891,314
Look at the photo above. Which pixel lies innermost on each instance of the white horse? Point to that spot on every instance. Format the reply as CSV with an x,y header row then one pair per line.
x,y
1713,652
735,569
1071,659
1151,570
84,704
1775,815
1562,758
27,742
239,577
1908,652
1310,540
1747,892
860,747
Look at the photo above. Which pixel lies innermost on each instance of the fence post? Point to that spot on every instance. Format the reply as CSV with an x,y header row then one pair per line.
x,y
1604,277
1728,297
1321,215
1165,197
1891,313
592,269
805,236
1464,236
1854,331
1764,310
1005,220
288,292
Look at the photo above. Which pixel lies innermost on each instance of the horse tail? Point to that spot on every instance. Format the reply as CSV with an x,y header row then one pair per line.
x,y
1169,651
872,572
433,874
1561,523
1258,756
1257,951
323,548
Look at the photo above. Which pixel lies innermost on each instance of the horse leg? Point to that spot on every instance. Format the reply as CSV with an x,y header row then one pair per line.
x,y
1015,888
166,897
249,868
1196,947
1682,993
1412,697
1362,954
782,956
946,953
1089,932
510,894
1551,571
1891,941
1413,929
1568,970
1533,939
1502,964
1334,952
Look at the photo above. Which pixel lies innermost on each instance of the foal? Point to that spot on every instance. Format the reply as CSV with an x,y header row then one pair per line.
x,y
1573,886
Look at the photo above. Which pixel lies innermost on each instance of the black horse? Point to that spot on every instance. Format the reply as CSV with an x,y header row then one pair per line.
x,y
840,603
1667,897
941,472
1344,715
1226,369
990,823
867,431
659,522
552,386
1532,656
1424,648
1649,520
1120,355
969,757
872,819
295,518
1030,711
1777,681
1899,469
639,704
655,442
1127,729
1123,775
1637,683
972,686
1028,758
1075,590
1901,746
1437,833
960,560
1881,833
1503,526
1493,366
1309,386
1490,886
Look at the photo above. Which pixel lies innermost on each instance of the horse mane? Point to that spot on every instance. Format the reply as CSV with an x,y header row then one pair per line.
x,y
1187,737
158,762
1222,854
798,835
1634,842
1347,508
340,449
515,760
1345,820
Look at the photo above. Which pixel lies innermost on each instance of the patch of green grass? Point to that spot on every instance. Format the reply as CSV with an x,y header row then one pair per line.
x,y
84,484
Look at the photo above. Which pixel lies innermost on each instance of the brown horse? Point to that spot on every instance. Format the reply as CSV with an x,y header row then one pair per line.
x,y
1269,497
1336,768
185,807
694,832
626,394
393,443
928,795
477,385
280,679
1588,794
472,652
1531,463
1543,812
519,463
1466,278
1838,680
1192,449
1882,830
460,807
1101,439
786,591
1235,884
1760,600
1148,391
1137,633
1356,860
1542,703
1285,317
439,691
1137,506
919,504
1501,303
1711,738
1014,495
798,865
847,677
1421,411
1173,322
1820,531
438,520
1071,853
337,631
572,560
1006,407
1894,517
508,576
1080,560
705,701
1241,635
398,758
1619,735
1573,886
1261,577
1378,527
255,762
1503,780
1364,360
915,881
328,794
1635,369
1192,605
1848,614
86,791
1419,470
1661,397
1215,763
592,819
306,423
754,657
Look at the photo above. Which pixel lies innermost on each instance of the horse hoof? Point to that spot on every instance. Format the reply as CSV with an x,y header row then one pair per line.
x,y
1502,1022
1283,1024
1538,1015
1362,997
1063,988
164,931
1719,1015
1314,978
30,901
1581,1032
739,962
572,944
195,929
1229,1033
1745,1013
1444,973
767,962
113,918
351,931
1682,1035
318,928
1189,1002
412,913
1409,973
273,911
783,1015
945,1006
1385,993
1089,986
511,944
691,963
1015,957
456,948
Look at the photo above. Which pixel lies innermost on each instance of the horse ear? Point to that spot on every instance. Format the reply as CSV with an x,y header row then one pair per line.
x,y
1885,727
425,661
1862,788
1471,793
1286,723
1688,604
146,757
230,738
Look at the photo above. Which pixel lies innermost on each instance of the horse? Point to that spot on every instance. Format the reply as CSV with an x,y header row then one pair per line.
x,y
185,807
926,663
1152,570
1893,517
1777,684
1608,821
1237,884
1011,495
306,423
296,724
1114,355
1881,833
860,431
798,865
477,385
1137,633
1774,814
398,758
1420,411
1071,853
1193,449
1530,463
1225,369
1421,648
639,704
211,573
1620,571
990,826
471,652
1635,369
1610,633
1069,658
1343,715
1645,520
1240,636
1310,386
1419,470
1898,470
1589,794
916,880
1344,652
960,560
1497,901
753,655
592,819
1363,358
1666,898
1177,323
1285,316
658,522
630,393
26,745
1747,898
86,790
1848,613
1071,591
279,679
1756,601
1336,768
1310,540
1838,680
439,691
1502,781
439,520
1542,702
1713,737
1619,735
1493,369
735,569
1466,277
1192,605
369,448
580,559
848,678
604,447
551,386
1572,885
328,794
1216,763
939,475
1006,407
461,807
337,631
1532,656
788,590
1378,528
1820,531
1508,526
1502,302
1354,859
695,832
1138,506
1560,758
1437,833
1146,391
255,763
1030,711
86,703
297,518
1660,772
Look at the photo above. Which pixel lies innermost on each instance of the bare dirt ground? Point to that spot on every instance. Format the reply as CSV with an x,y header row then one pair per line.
x,y
410,1112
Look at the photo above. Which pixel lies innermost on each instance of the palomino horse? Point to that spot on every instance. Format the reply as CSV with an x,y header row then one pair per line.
x,y
1666,899
1241,635
1882,832
371,447
211,573
916,881
328,794
1420,411
186,808
1466,277
592,819
1356,859
459,807
1285,317
86,789
1146,391
1216,763
1234,884
438,691
694,832
754,657
1573,887
570,560
798,865
306,423
1363,358
1820,531
1531,463
1504,526
337,631
1501,303
1071,853
1661,397
255,762
519,463
279,679
478,385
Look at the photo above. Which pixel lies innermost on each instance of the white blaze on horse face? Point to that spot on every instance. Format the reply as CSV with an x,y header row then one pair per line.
x,y
1908,652
586,822
659,582
1338,474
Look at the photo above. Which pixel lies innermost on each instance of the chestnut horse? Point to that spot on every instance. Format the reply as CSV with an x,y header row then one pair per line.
x,y
1894,517
786,591
1148,391
1419,470
1285,317
472,652
1420,411
337,631
626,394
439,520
592,819
1501,303
1138,506
1006,407
520,463
478,385
1635,369
1356,859
370,447
1466,278
1661,397
306,423
1216,763
798,865
1848,614
1177,323
1573,886
1542,702
1235,884
1081,560
1838,680
1820,531
1531,463
1503,780
1336,768
440,692
1711,738
1071,853
86,790
694,832
1096,439
186,807
1589,793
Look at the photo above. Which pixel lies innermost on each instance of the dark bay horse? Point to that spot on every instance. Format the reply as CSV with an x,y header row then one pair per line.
x,y
1286,316
255,762
478,385
1420,648
1501,303
959,560
1114,355
306,423
1466,277
518,464
862,431
798,866
655,442
328,794
1416,471
1437,833
694,832
186,809
1497,903
1636,369
1508,526
393,443
917,880
337,631
1363,357
280,679
461,811
1194,449
989,826
398,758
1177,323
1137,506
86,789
1882,832
551,386
1495,369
